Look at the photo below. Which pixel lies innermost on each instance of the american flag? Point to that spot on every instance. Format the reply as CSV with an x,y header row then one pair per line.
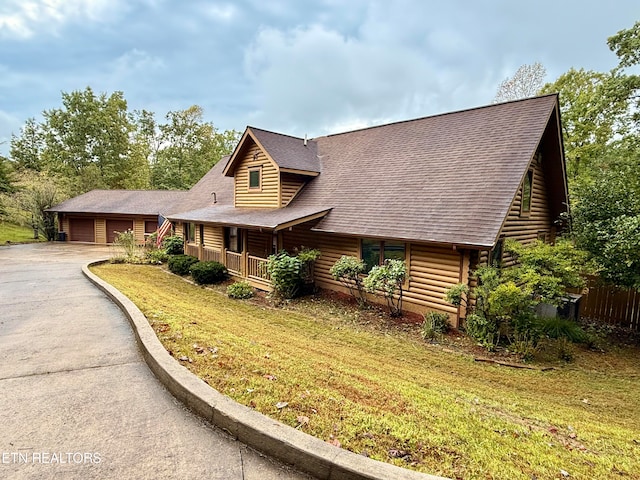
x,y
162,231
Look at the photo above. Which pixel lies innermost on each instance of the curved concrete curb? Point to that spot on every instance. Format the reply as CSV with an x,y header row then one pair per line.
x,y
293,447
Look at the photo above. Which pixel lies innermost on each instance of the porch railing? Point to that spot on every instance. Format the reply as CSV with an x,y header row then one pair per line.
x,y
257,268
211,255
234,262
191,250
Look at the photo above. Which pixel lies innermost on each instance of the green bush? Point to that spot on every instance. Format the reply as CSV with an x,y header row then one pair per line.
x,y
524,347
285,273
348,271
485,331
565,349
557,327
207,273
157,256
181,264
435,324
240,290
173,245
389,279
126,241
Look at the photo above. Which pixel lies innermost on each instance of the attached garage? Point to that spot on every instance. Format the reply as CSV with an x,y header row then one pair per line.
x,y
115,225
82,230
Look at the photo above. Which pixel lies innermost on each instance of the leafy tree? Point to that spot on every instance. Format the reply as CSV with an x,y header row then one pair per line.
x,y
595,111
526,82
89,139
626,45
6,175
188,148
505,297
606,219
27,149
36,193
546,271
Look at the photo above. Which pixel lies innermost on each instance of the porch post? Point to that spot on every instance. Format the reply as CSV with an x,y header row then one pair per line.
x,y
245,258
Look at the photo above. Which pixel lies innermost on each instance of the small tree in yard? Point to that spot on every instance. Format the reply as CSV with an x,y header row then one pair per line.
x,y
388,279
127,242
505,298
348,271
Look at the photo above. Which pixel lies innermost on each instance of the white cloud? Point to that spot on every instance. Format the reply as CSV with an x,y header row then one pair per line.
x,y
225,12
136,61
317,79
26,18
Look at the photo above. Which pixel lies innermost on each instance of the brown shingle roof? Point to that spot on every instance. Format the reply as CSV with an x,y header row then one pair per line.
x,y
269,218
130,202
201,194
289,153
154,202
445,179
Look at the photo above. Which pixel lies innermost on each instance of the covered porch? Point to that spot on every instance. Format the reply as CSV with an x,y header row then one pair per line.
x,y
245,264
240,238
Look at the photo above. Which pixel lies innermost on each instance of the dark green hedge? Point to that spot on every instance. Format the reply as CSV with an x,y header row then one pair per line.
x,y
206,273
181,264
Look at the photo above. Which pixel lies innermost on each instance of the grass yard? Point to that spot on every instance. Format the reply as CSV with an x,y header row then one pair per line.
x,y
10,232
389,395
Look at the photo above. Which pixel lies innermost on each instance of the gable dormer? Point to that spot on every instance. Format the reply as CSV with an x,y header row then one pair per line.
x,y
270,169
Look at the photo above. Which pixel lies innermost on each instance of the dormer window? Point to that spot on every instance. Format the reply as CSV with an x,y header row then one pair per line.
x,y
255,178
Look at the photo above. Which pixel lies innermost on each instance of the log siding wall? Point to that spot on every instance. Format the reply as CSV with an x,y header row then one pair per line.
x,y
213,237
526,227
269,193
290,185
432,270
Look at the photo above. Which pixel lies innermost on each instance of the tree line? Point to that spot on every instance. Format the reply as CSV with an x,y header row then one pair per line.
x,y
93,141
601,132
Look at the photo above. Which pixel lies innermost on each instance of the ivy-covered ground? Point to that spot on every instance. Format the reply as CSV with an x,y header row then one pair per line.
x,y
381,391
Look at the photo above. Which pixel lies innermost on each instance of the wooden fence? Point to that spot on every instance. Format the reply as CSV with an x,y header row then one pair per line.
x,y
611,305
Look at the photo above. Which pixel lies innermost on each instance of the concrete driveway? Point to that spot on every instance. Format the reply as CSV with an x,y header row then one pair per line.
x,y
77,399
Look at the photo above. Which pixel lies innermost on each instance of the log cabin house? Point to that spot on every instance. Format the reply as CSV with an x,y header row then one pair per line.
x,y
440,192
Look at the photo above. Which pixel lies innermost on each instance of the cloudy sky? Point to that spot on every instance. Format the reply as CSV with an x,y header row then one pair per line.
x,y
298,66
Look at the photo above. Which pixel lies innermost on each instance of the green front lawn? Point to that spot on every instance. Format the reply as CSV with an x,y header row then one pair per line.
x,y
10,232
387,394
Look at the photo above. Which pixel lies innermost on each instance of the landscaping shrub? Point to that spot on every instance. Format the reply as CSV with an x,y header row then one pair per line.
x,y
126,241
557,327
181,264
156,256
389,279
207,273
173,245
348,271
483,330
525,348
240,290
565,349
435,324
285,273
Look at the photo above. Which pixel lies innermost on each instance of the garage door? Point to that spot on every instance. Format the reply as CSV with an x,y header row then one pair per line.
x,y
114,226
82,230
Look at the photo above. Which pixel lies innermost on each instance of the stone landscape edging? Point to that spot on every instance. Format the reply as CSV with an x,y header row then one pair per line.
x,y
293,447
